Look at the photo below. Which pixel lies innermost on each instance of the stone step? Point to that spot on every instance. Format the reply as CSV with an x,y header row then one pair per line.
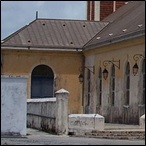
x,y
117,134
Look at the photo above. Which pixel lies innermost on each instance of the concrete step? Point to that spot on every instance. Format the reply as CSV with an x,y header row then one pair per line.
x,y
117,134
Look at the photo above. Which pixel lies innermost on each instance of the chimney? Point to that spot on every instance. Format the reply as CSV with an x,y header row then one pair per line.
x,y
36,14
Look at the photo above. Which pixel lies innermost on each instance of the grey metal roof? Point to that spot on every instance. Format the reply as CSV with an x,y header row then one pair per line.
x,y
127,22
54,33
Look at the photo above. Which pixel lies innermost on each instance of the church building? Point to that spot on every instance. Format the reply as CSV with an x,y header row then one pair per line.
x,y
100,61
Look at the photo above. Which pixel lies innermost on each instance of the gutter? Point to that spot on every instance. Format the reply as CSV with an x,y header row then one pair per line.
x,y
41,48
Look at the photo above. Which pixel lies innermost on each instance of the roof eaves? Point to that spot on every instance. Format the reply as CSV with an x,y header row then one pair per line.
x,y
116,39
69,48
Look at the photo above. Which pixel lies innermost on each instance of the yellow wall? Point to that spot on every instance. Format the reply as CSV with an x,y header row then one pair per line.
x,y
65,66
123,51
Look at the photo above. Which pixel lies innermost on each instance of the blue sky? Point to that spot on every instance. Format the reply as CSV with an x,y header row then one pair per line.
x,y
16,14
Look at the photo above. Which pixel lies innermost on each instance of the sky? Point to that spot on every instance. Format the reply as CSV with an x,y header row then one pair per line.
x,y
16,14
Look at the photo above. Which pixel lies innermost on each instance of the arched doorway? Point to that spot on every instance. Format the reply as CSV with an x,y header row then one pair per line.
x,y
42,80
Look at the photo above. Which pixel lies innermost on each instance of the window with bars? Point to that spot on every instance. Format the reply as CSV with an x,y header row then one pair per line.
x,y
112,86
89,86
143,76
99,88
127,84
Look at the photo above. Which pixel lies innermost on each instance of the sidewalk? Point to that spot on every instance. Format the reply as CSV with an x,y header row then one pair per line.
x,y
36,137
109,126
111,131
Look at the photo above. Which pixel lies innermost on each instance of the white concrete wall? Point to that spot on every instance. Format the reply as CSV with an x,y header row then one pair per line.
x,y
81,123
49,114
142,121
62,96
41,114
13,105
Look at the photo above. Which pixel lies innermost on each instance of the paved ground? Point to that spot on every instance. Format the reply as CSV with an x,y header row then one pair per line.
x,y
109,126
35,137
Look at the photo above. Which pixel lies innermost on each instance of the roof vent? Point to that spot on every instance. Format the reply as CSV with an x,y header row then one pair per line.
x,y
140,25
63,24
28,41
110,34
44,24
98,38
84,25
124,30
71,42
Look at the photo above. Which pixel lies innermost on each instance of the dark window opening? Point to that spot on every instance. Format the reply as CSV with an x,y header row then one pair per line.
x,y
99,88
112,87
42,80
127,95
143,75
89,87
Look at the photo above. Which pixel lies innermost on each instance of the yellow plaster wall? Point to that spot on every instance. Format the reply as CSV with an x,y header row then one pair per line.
x,y
123,51
64,65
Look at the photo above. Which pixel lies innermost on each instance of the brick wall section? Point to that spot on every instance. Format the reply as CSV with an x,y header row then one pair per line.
x,y
106,7
119,4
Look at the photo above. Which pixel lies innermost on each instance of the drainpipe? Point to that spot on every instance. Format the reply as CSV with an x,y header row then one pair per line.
x,y
83,71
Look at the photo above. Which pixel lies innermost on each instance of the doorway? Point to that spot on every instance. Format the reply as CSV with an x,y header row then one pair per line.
x,y
42,82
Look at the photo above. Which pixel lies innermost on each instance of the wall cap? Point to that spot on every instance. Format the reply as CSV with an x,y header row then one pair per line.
x,y
61,91
12,76
143,116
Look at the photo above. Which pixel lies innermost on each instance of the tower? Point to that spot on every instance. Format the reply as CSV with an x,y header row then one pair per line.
x,y
98,10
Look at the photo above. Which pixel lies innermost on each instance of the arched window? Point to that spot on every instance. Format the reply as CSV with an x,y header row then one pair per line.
x,y
143,76
127,84
112,86
99,88
42,80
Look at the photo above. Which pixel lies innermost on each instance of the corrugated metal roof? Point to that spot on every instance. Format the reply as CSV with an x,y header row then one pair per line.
x,y
127,22
55,33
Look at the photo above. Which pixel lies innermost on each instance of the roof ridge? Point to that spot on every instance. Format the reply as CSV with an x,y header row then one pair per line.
x,y
69,20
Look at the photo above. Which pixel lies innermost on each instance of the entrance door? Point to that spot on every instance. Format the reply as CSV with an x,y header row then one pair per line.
x,y
42,80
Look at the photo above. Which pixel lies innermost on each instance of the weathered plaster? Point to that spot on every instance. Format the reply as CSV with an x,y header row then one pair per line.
x,y
13,105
